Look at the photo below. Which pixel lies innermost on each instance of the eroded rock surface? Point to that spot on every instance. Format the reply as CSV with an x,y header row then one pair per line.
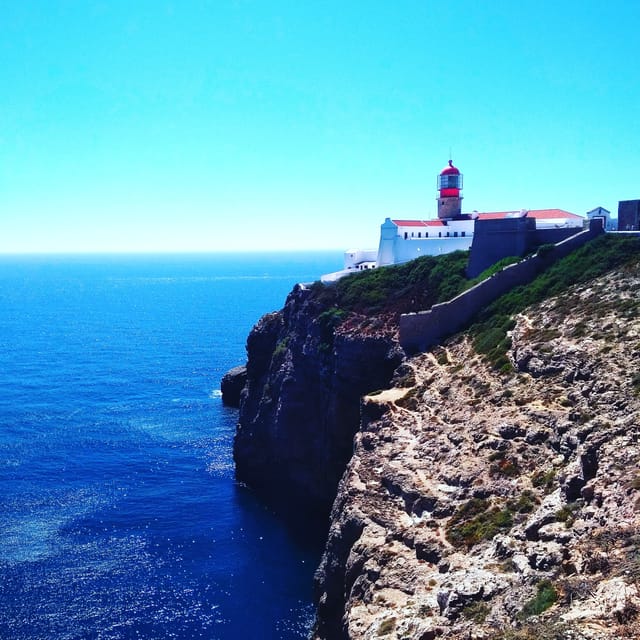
x,y
300,406
487,505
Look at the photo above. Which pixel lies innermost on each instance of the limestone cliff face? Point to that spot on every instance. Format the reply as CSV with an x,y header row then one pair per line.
x,y
485,505
299,409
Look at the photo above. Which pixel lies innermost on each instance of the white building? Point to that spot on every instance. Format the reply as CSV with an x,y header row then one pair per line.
x,y
610,224
404,240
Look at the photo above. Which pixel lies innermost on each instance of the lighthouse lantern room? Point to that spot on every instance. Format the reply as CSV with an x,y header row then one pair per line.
x,y
449,199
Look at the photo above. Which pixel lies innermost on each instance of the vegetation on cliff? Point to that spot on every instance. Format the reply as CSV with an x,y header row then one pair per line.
x,y
396,289
593,260
375,299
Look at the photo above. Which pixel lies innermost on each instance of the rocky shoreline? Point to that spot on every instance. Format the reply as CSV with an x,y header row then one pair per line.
x,y
474,504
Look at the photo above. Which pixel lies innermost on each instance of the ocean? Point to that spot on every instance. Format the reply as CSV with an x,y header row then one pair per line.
x,y
119,513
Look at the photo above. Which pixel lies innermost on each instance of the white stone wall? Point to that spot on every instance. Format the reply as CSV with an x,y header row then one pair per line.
x,y
354,257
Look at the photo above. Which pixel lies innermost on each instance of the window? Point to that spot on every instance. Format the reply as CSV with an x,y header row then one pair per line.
x,y
405,235
419,234
455,234
426,234
439,234
463,233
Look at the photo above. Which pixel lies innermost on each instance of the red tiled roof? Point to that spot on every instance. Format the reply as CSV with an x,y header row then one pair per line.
x,y
409,223
418,223
539,214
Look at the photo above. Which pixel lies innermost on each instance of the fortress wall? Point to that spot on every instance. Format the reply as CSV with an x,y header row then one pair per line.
x,y
546,236
422,330
497,239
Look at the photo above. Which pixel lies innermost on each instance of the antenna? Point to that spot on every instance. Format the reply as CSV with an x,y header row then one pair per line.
x,y
450,158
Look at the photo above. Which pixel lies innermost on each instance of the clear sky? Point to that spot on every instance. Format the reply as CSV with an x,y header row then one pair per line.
x,y
148,125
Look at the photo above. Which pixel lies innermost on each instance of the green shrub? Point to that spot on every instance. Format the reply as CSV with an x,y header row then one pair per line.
x,y
525,503
540,630
543,479
546,249
413,286
476,611
475,521
281,347
566,514
327,322
494,268
411,399
545,597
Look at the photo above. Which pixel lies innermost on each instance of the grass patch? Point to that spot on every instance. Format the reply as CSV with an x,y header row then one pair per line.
x,y
566,514
327,322
543,630
543,479
281,347
545,598
475,521
525,503
476,611
493,269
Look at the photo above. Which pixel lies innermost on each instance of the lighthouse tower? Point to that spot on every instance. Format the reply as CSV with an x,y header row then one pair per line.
x,y
449,200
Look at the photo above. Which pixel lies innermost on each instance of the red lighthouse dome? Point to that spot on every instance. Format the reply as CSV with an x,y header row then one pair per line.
x,y
450,181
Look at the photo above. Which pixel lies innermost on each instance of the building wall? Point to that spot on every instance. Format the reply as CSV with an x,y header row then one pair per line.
x,y
394,248
410,249
553,236
600,212
629,215
494,240
497,239
356,256
422,330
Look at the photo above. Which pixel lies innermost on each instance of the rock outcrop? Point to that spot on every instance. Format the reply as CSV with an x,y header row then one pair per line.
x,y
300,407
232,384
487,505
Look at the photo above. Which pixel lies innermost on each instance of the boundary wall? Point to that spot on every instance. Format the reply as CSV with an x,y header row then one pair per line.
x,y
424,329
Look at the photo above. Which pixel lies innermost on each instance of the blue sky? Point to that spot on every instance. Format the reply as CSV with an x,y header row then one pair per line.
x,y
199,125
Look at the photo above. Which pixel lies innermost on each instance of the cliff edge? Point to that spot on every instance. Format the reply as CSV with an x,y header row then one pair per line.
x,y
300,406
502,505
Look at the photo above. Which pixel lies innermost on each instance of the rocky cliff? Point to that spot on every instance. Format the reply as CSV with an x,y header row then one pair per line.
x,y
480,504
300,407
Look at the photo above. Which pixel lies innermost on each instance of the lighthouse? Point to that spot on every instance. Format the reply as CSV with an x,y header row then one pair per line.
x,y
449,199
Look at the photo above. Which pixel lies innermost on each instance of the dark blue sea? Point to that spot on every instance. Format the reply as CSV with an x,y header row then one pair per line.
x,y
119,513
